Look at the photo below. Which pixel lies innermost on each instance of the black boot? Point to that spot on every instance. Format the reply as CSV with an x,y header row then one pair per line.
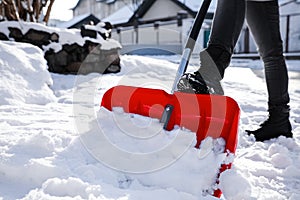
x,y
276,125
207,79
192,83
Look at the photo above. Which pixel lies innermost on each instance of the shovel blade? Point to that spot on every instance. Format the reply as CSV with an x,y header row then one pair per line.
x,y
207,115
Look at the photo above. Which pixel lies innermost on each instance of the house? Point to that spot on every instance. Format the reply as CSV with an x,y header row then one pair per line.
x,y
157,26
165,24
140,23
151,11
124,12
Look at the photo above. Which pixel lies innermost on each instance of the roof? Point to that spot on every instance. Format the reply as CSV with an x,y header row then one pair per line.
x,y
128,15
146,5
287,2
100,1
121,16
78,20
194,5
77,4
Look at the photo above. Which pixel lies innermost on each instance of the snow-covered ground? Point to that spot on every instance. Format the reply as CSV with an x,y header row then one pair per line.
x,y
50,125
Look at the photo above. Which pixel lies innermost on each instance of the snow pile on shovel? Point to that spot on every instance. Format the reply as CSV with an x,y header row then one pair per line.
x,y
23,75
150,156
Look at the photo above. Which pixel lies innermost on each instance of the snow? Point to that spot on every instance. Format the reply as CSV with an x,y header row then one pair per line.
x,y
243,191
25,77
195,4
51,146
73,21
125,13
120,16
66,36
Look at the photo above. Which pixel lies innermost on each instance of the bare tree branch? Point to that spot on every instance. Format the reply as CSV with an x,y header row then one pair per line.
x,y
10,10
47,16
25,9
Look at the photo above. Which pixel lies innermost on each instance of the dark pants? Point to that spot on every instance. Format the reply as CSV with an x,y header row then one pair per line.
x,y
263,21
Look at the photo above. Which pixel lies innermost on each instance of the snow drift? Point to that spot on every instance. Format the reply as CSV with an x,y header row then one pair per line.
x,y
43,157
24,75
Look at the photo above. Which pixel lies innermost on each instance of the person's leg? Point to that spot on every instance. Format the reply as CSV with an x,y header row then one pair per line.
x,y
227,24
263,21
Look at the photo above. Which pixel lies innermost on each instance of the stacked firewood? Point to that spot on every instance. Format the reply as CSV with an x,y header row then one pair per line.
x,y
26,10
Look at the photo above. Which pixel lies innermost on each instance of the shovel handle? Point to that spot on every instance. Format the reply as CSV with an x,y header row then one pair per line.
x,y
192,38
190,43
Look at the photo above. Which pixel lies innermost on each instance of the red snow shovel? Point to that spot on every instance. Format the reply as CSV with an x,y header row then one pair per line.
x,y
207,115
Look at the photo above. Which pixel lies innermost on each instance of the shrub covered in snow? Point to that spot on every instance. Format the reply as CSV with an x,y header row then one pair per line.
x,y
68,50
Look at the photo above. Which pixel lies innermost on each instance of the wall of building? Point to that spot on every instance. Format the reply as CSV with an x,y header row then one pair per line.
x,y
148,34
168,36
289,29
100,9
162,9
172,34
290,26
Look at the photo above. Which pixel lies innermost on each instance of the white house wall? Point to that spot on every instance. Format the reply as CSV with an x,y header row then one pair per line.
x,y
165,34
169,34
290,9
125,37
294,34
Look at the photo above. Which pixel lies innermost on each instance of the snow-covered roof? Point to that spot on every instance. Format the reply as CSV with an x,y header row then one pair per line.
x,y
107,1
194,5
287,2
73,21
100,1
124,14
120,16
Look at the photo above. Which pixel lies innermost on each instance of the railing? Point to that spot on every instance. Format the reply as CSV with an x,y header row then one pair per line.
x,y
169,35
290,28
172,33
290,33
156,33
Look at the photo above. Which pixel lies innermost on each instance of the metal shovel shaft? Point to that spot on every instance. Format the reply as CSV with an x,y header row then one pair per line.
x,y
190,43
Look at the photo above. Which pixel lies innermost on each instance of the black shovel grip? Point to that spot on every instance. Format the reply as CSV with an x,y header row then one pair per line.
x,y
193,35
197,25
